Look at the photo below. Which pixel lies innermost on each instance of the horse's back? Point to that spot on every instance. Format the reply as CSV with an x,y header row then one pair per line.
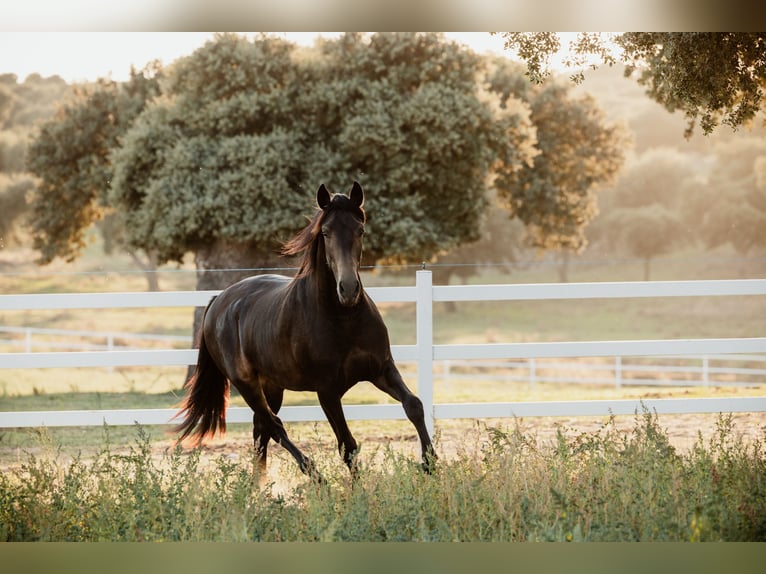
x,y
253,287
258,294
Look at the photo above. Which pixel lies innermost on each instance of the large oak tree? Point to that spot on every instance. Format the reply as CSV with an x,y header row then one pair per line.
x,y
224,160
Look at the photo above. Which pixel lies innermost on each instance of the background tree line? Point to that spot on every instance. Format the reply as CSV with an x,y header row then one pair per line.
x,y
710,190
219,153
23,105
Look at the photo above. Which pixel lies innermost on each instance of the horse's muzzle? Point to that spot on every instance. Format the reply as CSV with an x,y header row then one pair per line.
x,y
349,291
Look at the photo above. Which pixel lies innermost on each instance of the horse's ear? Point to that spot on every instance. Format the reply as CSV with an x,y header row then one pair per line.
x,y
357,195
323,197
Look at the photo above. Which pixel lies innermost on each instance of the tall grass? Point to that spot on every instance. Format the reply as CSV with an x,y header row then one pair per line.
x,y
601,486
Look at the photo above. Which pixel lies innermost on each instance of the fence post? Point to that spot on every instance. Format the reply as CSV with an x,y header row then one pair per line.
x,y
706,371
425,340
110,347
618,372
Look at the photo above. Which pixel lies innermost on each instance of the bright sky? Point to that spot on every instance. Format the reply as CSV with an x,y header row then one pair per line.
x,y
85,56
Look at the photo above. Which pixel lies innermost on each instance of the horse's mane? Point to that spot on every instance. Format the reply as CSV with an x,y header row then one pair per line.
x,y
306,242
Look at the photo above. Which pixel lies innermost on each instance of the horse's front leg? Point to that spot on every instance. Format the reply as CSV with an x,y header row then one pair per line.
x,y
347,446
391,382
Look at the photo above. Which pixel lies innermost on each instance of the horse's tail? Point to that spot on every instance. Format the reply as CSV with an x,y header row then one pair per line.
x,y
206,400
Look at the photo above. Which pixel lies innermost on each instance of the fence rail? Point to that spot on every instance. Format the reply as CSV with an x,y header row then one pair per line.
x,y
30,338
424,352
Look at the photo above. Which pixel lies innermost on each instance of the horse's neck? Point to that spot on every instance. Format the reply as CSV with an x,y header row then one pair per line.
x,y
320,289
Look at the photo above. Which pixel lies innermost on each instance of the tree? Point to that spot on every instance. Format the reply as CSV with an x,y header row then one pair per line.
x,y
712,78
13,192
414,125
659,175
226,160
500,244
649,212
732,206
23,105
646,232
213,167
554,195
71,155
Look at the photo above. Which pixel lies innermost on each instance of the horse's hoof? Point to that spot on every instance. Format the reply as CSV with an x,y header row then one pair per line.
x,y
429,466
316,477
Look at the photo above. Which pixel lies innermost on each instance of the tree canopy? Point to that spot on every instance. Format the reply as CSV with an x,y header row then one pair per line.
x,y
23,105
554,195
650,211
229,153
732,204
220,153
71,157
713,78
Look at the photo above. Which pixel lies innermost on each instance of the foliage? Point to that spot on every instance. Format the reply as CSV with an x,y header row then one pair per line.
x,y
23,105
579,151
653,208
13,192
71,157
733,204
423,136
227,159
646,232
604,486
714,77
236,157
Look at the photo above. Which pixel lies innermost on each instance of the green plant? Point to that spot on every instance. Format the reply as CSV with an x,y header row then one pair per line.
x,y
605,485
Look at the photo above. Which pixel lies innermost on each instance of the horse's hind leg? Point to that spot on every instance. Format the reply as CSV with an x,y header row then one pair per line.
x,y
391,382
262,431
267,425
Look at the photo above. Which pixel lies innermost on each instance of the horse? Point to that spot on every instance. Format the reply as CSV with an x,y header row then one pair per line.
x,y
318,331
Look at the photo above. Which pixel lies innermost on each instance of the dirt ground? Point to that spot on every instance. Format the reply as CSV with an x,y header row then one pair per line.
x,y
463,437
452,438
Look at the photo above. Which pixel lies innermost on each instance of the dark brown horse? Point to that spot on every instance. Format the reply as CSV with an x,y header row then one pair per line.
x,y
316,332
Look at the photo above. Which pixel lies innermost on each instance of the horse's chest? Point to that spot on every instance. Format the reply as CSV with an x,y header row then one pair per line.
x,y
360,365
348,358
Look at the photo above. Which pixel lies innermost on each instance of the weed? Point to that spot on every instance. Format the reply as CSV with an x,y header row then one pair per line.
x,y
606,485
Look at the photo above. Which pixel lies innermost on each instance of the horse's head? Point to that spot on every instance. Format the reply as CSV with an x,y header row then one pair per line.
x,y
342,229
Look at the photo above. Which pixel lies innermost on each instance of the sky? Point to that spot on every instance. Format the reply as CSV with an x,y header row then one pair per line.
x,y
86,56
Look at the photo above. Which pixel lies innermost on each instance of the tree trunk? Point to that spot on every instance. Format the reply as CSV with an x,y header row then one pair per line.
x,y
223,263
149,267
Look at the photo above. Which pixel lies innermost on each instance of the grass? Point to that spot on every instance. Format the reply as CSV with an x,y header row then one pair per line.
x,y
599,486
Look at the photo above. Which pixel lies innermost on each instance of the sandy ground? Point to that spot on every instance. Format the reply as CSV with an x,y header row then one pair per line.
x,y
464,437
453,438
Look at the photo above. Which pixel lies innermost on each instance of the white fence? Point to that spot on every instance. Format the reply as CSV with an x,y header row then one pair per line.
x,y
689,370
77,339
685,371
424,352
